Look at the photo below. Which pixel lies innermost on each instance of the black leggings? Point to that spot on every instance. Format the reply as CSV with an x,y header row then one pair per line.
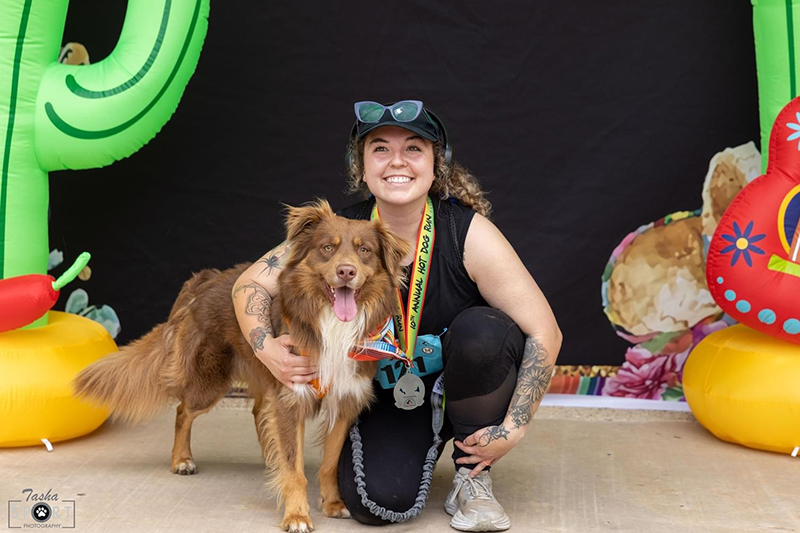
x,y
482,351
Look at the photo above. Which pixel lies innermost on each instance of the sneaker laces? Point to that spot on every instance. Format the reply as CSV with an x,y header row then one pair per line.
x,y
476,487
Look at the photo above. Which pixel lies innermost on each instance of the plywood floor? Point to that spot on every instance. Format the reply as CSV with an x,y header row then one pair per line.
x,y
577,470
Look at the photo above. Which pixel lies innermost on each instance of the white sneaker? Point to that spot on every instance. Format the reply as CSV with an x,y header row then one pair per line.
x,y
472,504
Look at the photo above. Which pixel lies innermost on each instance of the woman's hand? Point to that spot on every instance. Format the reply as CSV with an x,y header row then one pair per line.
x,y
287,367
487,445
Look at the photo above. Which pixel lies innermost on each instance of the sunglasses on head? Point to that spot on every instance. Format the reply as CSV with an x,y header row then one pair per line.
x,y
402,111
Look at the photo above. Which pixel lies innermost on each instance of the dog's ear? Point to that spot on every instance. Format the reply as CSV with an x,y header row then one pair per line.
x,y
393,250
301,220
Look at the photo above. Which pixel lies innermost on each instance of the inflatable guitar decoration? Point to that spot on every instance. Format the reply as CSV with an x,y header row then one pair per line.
x,y
753,265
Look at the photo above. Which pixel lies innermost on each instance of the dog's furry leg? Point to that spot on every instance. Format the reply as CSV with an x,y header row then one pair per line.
x,y
258,406
182,461
331,501
281,424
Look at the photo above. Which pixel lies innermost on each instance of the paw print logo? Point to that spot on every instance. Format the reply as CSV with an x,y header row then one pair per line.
x,y
41,512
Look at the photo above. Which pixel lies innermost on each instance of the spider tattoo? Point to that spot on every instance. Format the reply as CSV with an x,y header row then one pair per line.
x,y
272,263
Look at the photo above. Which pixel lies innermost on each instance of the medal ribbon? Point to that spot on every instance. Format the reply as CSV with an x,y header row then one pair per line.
x,y
407,325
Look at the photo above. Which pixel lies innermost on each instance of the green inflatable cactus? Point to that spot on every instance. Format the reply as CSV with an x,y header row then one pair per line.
x,y
776,27
55,116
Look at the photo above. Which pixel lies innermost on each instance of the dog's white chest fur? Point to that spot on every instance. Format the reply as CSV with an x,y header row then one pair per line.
x,y
337,371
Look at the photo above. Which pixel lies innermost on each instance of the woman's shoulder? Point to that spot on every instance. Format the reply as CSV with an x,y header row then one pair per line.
x,y
357,211
454,219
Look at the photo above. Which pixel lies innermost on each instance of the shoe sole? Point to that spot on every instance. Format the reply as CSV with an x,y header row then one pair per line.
x,y
461,523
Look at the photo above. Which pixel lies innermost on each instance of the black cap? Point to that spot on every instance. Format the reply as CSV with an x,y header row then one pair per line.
x,y
422,126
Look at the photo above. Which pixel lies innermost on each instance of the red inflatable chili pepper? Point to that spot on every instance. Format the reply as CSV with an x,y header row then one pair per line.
x,y
23,299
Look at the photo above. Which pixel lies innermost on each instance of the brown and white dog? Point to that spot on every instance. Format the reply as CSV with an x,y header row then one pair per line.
x,y
338,284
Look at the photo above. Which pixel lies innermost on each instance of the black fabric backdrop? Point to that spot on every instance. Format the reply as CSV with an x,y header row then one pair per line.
x,y
584,119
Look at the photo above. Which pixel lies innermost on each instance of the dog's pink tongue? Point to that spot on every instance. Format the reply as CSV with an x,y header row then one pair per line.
x,y
345,305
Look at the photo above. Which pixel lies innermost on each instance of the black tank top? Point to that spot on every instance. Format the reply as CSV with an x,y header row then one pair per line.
x,y
450,289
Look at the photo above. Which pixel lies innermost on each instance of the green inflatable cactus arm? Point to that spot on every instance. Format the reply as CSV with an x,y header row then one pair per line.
x,y
55,116
89,116
776,27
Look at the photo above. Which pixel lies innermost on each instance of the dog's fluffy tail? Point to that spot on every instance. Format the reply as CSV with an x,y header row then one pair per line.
x,y
130,382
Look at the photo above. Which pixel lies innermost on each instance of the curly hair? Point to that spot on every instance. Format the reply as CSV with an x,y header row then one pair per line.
x,y
452,180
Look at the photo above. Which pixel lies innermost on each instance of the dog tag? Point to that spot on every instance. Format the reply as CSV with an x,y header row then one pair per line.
x,y
409,392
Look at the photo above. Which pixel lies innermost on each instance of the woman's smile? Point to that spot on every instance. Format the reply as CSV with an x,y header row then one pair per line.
x,y
398,180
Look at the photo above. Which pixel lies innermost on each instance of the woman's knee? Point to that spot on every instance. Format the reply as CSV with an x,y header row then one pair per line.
x,y
478,334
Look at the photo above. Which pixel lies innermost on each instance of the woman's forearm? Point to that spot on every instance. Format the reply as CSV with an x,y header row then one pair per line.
x,y
533,378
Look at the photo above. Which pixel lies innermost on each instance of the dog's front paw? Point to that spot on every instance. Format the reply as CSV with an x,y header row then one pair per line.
x,y
335,509
184,467
297,523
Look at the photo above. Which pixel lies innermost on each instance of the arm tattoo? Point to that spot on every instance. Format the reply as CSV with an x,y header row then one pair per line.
x,y
532,381
492,433
258,303
275,260
257,336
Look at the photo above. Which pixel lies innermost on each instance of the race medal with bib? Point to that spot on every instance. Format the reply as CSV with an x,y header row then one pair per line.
x,y
409,390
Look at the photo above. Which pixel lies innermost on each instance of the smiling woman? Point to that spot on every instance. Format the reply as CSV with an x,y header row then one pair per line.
x,y
480,304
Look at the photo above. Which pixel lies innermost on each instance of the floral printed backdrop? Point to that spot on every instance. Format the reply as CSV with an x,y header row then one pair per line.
x,y
655,295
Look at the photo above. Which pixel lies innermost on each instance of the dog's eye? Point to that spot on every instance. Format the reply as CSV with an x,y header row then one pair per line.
x,y
328,248
364,250
417,390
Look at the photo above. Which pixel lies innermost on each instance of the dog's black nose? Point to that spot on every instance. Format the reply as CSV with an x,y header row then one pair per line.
x,y
346,272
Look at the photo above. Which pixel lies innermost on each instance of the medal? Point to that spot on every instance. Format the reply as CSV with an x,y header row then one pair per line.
x,y
409,392
407,324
